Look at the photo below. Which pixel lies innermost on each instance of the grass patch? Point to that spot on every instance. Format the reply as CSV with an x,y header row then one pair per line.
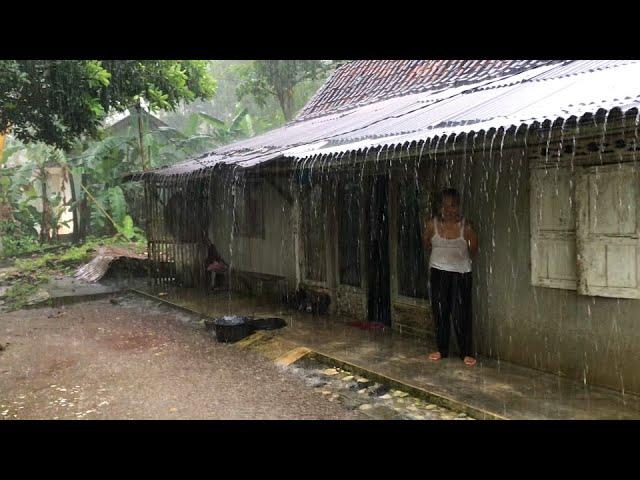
x,y
18,295
40,268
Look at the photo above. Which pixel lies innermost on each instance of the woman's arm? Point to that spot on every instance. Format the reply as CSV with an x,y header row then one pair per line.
x,y
471,238
427,234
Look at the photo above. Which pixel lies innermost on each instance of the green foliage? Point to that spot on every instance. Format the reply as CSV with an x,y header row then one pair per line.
x,y
222,133
129,231
57,101
117,204
264,116
21,189
17,240
18,295
33,272
127,228
95,87
106,160
265,78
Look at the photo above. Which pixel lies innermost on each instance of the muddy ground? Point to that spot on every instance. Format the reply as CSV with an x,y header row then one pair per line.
x,y
131,358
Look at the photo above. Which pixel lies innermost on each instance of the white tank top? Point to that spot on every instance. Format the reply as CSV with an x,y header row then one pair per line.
x,y
450,255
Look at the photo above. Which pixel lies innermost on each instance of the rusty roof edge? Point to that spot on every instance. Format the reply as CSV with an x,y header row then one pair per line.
x,y
398,140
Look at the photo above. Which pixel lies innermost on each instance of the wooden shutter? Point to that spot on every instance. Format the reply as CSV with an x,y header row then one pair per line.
x,y
553,231
608,229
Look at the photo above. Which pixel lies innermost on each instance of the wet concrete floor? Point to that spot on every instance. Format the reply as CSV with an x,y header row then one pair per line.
x,y
491,389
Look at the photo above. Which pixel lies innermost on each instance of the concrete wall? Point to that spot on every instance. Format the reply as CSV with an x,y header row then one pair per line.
x,y
350,301
592,339
273,254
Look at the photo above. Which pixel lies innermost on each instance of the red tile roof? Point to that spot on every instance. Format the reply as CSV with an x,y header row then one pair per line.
x,y
365,81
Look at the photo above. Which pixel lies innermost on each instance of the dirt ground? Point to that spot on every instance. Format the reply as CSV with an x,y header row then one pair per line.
x,y
130,358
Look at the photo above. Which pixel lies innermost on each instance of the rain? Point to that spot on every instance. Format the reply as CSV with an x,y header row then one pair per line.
x,y
314,223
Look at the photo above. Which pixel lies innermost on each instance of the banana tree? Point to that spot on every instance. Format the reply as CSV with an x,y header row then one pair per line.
x,y
25,185
240,126
103,164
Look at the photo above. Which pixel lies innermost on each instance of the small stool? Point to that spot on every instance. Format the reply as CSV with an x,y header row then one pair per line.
x,y
217,269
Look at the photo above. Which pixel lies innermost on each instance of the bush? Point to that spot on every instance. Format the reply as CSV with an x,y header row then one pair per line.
x,y
17,240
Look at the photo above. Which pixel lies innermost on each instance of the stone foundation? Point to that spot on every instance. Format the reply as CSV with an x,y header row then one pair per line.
x,y
412,320
351,301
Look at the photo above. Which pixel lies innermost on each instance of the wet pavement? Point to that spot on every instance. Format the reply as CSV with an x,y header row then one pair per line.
x,y
63,289
127,357
491,389
375,400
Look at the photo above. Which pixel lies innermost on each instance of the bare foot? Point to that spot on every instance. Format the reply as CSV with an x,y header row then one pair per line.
x,y
435,356
470,361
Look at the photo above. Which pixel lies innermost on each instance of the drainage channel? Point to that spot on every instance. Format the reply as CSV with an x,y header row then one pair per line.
x,y
375,400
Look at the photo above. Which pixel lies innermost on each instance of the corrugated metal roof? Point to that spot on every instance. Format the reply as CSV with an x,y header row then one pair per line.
x,y
559,96
96,268
365,81
537,94
579,67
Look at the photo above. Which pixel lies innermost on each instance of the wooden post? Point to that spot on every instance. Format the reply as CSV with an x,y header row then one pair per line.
x,y
44,222
74,209
145,167
3,136
104,212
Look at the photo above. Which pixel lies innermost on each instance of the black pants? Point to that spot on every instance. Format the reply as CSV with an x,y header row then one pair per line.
x,y
451,297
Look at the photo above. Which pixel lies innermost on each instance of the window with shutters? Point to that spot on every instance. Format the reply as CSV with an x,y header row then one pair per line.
x,y
411,263
553,228
608,247
349,232
585,230
313,224
250,210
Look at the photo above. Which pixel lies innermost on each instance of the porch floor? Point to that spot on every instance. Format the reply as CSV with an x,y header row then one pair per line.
x,y
501,389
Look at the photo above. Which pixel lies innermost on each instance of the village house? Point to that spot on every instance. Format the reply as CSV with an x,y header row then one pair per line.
x,y
333,203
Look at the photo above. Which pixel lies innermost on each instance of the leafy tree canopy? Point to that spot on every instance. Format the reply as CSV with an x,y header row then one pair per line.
x,y
56,101
264,78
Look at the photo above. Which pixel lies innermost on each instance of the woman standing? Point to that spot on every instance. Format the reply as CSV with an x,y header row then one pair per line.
x,y
453,243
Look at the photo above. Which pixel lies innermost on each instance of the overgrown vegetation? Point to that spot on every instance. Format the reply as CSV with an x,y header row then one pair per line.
x,y
56,101
279,79
245,84
18,240
52,119
29,274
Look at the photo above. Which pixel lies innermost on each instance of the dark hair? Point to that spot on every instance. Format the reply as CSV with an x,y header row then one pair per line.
x,y
448,192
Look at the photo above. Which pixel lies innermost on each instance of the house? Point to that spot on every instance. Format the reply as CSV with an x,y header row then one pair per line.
x,y
544,153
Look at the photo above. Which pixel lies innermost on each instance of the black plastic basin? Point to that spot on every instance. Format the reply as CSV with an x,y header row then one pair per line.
x,y
230,329
270,323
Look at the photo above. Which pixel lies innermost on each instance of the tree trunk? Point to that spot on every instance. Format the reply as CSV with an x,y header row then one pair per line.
x,y
45,223
140,138
285,98
84,213
74,209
